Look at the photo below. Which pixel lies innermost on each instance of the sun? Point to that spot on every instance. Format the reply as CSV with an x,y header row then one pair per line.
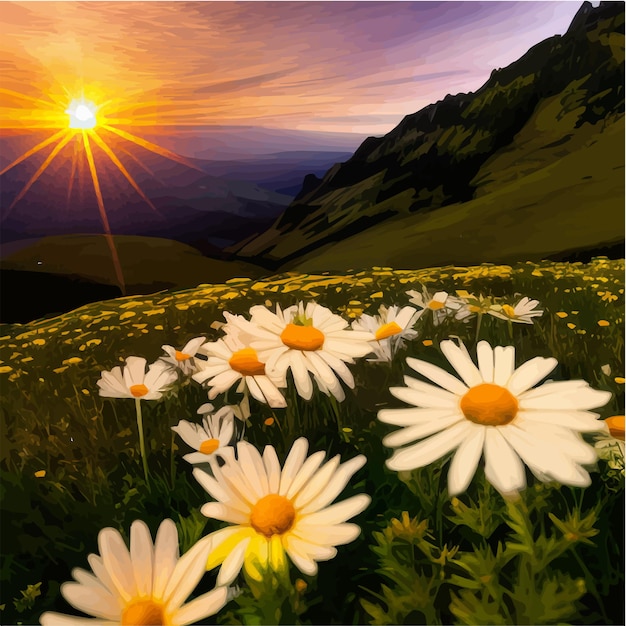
x,y
87,132
82,114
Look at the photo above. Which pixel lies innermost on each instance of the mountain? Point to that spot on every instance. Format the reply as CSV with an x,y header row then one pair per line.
x,y
528,166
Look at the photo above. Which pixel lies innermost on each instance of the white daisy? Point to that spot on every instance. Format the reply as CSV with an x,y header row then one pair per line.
x,y
472,305
230,360
143,587
274,511
308,340
523,312
132,381
495,411
391,328
441,304
210,439
183,359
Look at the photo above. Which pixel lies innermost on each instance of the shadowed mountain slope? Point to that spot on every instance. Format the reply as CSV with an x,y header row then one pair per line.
x,y
546,130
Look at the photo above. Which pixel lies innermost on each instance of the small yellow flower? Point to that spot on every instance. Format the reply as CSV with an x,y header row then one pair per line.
x,y
571,326
300,585
40,474
604,323
427,342
39,342
5,369
561,314
85,391
72,360
269,421
619,380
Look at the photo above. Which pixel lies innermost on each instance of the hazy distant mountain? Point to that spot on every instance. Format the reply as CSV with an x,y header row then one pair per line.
x,y
283,172
530,165
211,203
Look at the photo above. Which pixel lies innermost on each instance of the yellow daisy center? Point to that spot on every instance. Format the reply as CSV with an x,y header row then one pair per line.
x,y
508,310
302,337
489,405
272,515
209,446
138,390
246,362
616,426
387,330
144,612
435,305
181,356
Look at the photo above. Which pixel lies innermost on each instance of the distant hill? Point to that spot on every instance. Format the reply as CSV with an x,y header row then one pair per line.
x,y
56,274
529,166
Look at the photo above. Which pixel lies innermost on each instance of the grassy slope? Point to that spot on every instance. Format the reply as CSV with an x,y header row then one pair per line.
x,y
146,261
521,209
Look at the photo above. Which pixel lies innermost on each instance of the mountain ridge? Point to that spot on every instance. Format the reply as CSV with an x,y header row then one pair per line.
x,y
437,156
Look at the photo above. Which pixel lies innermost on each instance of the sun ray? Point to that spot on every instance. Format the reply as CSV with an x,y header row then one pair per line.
x,y
103,216
34,150
148,145
40,171
21,96
103,146
140,164
72,174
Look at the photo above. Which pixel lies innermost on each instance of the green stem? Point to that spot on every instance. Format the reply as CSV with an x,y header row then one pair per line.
x,y
142,445
172,462
479,321
591,585
510,323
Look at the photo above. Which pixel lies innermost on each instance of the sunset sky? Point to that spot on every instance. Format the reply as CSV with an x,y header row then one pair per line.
x,y
325,66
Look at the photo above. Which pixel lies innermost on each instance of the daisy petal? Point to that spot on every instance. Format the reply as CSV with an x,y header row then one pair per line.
x,y
419,431
203,606
484,352
461,362
412,416
438,376
429,450
561,396
165,556
232,563
504,364
187,573
465,461
340,512
503,467
530,373
141,554
117,561
91,600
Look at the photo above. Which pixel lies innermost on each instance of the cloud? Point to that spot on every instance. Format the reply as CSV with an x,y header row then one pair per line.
x,y
243,83
418,78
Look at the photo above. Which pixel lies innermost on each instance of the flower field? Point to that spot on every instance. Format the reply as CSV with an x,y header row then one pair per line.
x,y
439,446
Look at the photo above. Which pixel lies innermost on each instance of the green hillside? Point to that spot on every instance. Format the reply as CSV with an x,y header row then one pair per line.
x,y
544,135
148,263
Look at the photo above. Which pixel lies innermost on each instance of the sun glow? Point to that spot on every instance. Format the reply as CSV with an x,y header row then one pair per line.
x,y
82,114
87,132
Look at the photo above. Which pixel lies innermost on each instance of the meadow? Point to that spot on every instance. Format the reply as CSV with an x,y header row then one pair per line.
x,y
71,462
